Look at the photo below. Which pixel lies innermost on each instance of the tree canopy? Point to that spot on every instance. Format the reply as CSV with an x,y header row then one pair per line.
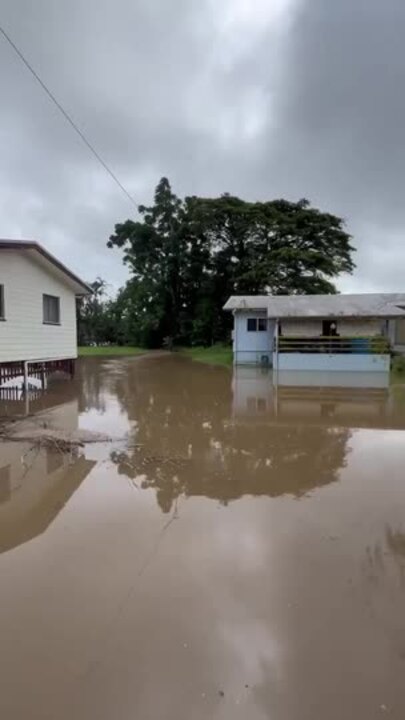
x,y
187,256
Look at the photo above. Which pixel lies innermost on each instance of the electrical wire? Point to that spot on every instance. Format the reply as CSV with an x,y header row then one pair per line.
x,y
66,115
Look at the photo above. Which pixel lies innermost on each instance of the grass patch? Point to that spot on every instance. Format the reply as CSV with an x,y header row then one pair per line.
x,y
109,351
214,355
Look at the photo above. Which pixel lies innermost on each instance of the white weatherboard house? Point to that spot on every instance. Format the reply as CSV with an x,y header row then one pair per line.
x,y
37,312
318,332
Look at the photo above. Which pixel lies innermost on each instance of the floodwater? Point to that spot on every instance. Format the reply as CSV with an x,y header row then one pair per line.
x,y
237,551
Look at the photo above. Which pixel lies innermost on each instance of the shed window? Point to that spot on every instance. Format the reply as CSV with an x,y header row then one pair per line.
x,y
2,313
51,310
256,324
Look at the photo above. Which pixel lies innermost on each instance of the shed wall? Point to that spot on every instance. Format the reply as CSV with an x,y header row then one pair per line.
x,y
312,327
333,362
250,347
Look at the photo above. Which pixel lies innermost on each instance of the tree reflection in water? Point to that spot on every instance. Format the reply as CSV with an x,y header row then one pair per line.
x,y
187,442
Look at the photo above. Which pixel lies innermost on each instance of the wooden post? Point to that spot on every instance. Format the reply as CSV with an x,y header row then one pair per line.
x,y
25,377
43,376
276,345
235,337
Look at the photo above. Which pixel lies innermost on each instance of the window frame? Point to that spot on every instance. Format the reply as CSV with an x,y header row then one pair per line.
x,y
2,303
260,324
46,296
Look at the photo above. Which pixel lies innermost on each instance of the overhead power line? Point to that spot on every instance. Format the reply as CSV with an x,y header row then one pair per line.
x,y
67,116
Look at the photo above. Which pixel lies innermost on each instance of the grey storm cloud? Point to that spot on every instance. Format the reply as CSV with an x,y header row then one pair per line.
x,y
341,115
290,98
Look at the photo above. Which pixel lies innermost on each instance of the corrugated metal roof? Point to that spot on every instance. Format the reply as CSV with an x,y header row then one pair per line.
x,y
364,305
247,302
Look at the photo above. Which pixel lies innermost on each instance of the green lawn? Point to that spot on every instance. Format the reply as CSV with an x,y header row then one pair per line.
x,y
109,351
215,355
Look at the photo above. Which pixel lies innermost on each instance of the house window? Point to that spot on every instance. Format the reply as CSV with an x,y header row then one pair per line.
x,y
256,404
256,324
51,310
2,313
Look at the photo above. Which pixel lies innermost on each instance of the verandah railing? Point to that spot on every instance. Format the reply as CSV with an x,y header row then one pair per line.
x,y
374,345
40,370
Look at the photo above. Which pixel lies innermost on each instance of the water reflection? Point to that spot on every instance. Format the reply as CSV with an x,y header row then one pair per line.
x,y
193,431
237,462
396,542
187,442
36,484
268,608
14,404
364,402
385,554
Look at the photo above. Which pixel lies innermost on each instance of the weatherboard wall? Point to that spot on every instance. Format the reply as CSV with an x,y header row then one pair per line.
x,y
23,335
252,347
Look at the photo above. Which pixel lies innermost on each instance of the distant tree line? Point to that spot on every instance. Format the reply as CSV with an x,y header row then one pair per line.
x,y
187,256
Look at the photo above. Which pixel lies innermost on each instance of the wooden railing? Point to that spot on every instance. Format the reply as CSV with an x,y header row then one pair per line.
x,y
376,345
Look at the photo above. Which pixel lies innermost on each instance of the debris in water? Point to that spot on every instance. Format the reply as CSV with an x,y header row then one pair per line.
x,y
53,438
40,435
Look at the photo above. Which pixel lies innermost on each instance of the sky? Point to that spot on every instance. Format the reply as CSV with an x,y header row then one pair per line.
x,y
259,98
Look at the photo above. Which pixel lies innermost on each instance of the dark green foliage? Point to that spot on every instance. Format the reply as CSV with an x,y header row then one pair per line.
x,y
398,365
95,316
186,257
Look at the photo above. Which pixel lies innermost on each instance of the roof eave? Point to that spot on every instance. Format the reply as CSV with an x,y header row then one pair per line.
x,y
34,245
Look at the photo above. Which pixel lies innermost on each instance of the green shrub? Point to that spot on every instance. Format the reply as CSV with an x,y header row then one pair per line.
x,y
398,364
379,345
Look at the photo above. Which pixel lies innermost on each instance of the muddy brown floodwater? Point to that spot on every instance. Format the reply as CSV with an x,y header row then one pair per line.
x,y
237,551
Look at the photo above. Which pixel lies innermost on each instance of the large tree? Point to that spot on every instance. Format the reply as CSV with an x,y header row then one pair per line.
x,y
187,256
154,249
